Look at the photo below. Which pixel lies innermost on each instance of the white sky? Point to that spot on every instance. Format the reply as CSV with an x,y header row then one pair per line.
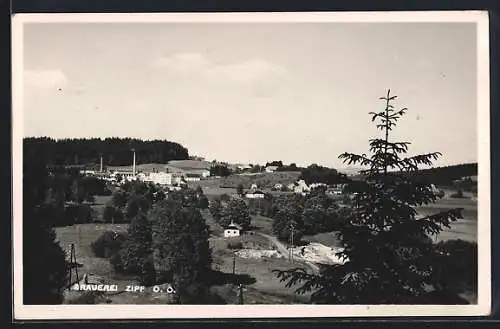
x,y
254,92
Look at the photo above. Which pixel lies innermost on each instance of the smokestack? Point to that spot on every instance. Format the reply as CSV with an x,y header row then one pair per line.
x,y
101,163
133,168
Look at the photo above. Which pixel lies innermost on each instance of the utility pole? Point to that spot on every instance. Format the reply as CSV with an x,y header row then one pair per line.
x,y
240,288
292,231
133,166
73,263
234,262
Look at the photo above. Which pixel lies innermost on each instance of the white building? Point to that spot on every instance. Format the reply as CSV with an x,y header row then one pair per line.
x,y
189,177
87,172
161,178
123,176
232,230
271,168
301,187
255,195
314,185
244,167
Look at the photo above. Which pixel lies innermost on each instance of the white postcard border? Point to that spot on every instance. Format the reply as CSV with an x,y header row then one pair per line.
x,y
76,312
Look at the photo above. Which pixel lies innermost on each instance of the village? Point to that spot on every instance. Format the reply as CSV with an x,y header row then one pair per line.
x,y
196,164
253,251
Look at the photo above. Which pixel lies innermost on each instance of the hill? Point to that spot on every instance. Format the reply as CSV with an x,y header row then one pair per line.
x,y
190,164
444,176
441,176
115,151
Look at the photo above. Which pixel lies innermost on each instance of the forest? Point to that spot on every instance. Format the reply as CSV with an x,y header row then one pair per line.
x,y
115,151
444,176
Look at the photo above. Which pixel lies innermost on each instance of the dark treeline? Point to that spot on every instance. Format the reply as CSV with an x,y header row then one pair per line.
x,y
115,151
444,176
319,174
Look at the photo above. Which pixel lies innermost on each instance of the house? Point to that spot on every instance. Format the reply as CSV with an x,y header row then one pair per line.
x,y
314,185
255,195
232,230
301,187
253,187
244,167
334,191
271,168
278,186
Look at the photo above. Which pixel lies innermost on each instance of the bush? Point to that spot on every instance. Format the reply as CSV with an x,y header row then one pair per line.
x,y
457,265
118,216
78,214
108,213
203,202
458,195
108,244
440,194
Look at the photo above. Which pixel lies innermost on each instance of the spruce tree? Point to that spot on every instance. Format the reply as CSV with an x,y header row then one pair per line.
x,y
388,251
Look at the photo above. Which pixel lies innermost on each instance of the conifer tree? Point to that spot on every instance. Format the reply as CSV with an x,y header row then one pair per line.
x,y
388,251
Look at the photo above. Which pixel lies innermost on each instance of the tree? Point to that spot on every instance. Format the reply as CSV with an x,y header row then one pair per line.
x,y
44,261
275,163
388,253
180,243
203,202
115,151
287,211
235,211
456,262
136,253
319,174
256,169
215,208
119,199
220,170
240,190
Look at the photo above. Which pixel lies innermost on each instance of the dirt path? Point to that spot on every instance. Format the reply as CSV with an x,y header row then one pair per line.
x,y
282,249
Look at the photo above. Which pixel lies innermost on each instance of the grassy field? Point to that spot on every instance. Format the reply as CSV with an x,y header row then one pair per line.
x,y
262,224
99,204
261,281
262,286
266,289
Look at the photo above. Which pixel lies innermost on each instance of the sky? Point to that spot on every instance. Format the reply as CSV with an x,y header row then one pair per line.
x,y
255,92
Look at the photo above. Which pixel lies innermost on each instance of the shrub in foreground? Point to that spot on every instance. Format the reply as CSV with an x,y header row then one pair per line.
x,y
108,244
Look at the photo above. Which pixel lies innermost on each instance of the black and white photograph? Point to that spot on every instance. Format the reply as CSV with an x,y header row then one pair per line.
x,y
251,165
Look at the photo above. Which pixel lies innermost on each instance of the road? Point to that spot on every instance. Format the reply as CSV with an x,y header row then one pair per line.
x,y
282,249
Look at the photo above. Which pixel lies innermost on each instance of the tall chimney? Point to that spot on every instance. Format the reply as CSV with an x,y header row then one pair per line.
x,y
101,163
133,168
